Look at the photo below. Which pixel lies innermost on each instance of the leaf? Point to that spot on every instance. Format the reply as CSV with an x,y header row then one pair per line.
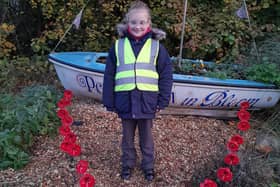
x,y
11,151
5,164
22,160
265,5
21,115
4,134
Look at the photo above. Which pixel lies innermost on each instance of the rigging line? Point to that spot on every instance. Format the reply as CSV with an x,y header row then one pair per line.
x,y
250,26
4,15
183,33
58,43
5,11
62,38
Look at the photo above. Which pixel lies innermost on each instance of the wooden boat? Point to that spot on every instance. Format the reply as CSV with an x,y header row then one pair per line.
x,y
82,72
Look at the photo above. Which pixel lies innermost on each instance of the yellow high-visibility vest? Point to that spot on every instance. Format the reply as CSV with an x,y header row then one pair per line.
x,y
137,72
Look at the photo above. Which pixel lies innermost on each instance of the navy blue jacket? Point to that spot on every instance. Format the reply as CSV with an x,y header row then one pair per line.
x,y
137,104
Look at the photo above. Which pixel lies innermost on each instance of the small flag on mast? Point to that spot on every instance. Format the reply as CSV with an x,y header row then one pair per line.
x,y
77,19
242,13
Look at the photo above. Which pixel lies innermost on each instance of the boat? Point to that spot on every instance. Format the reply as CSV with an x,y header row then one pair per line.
x,y
82,73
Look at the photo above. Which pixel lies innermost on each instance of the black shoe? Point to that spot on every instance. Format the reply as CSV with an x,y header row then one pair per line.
x,y
126,173
149,174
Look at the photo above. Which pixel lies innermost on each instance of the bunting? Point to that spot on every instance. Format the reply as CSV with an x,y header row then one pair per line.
x,y
242,13
76,22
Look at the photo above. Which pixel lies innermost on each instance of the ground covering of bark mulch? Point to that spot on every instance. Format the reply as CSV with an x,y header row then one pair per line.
x,y
184,145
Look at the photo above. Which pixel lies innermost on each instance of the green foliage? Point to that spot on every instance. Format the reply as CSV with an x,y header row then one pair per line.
x,y
266,66
265,69
213,32
212,29
6,46
265,72
23,71
274,184
209,69
6,69
22,117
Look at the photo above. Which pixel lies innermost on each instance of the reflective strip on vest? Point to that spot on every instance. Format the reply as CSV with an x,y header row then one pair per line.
x,y
137,72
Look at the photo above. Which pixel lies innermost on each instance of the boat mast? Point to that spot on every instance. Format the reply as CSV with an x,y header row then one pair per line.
x,y
183,33
81,11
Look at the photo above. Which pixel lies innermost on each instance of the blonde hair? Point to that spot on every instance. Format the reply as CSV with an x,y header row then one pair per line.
x,y
122,27
136,5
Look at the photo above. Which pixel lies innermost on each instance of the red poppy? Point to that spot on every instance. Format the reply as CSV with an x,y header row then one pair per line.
x,y
66,146
237,138
61,113
67,120
243,115
208,183
231,159
87,180
82,166
67,94
243,125
245,105
75,150
233,146
60,104
224,174
64,130
70,137
63,103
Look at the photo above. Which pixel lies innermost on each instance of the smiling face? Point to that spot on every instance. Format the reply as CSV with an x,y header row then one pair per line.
x,y
138,22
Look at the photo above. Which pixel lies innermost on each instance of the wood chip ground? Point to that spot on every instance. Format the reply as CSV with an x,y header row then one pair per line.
x,y
183,145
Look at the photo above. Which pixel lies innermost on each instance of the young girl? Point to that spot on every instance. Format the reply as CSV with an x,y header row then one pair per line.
x,y
137,84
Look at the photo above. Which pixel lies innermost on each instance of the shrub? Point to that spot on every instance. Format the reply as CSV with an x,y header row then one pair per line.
x,y
22,117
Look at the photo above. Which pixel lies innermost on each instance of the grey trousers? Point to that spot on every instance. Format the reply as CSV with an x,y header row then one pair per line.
x,y
145,140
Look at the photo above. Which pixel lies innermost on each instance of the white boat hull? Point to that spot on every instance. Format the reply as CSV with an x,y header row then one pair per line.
x,y
185,95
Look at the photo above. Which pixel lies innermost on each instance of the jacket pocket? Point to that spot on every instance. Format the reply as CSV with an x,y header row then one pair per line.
x,y
122,102
149,102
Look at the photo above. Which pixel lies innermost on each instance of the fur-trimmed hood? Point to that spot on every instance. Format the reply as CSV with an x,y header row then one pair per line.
x,y
157,34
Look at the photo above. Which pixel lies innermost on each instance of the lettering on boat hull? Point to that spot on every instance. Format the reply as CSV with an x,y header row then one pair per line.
x,y
90,84
216,99
206,99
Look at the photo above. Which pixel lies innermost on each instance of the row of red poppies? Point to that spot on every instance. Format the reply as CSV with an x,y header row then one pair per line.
x,y
69,144
224,174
